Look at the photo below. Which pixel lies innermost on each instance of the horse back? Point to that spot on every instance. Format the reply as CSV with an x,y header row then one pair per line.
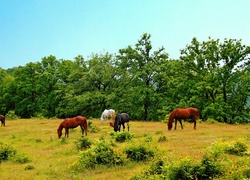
x,y
187,113
2,117
124,117
81,120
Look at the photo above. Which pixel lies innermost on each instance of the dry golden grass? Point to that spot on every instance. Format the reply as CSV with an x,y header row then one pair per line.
x,y
52,158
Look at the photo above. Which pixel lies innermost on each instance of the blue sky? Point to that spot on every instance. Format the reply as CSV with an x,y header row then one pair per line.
x,y
33,29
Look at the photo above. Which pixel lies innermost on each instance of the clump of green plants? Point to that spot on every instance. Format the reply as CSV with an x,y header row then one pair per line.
x,y
29,167
83,143
21,158
209,168
123,136
11,115
162,139
63,140
238,148
139,152
6,152
92,128
100,154
157,170
148,139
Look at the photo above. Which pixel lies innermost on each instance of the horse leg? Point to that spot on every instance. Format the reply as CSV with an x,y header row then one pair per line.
x,y
123,126
82,130
194,123
128,125
181,123
67,132
85,129
175,124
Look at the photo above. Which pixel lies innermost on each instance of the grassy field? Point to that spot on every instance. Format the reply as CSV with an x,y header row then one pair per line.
x,y
51,158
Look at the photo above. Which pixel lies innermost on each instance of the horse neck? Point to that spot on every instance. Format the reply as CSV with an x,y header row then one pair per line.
x,y
60,127
171,117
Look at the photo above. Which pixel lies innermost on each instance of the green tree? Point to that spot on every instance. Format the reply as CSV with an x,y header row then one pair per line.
x,y
214,70
141,67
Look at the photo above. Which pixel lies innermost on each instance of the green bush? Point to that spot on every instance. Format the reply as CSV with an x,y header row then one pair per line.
x,y
123,136
6,152
29,167
162,139
209,168
184,170
83,143
11,115
238,148
100,154
246,173
139,153
92,128
21,158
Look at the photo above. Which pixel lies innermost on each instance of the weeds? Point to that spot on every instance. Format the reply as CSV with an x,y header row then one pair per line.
x,y
83,143
6,152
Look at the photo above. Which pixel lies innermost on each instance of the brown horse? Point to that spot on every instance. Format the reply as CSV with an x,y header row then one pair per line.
x,y
178,114
69,123
2,119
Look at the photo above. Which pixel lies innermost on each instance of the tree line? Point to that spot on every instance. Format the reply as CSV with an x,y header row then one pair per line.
x,y
212,76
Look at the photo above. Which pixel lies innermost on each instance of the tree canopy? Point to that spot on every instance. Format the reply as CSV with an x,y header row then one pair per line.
x,y
212,76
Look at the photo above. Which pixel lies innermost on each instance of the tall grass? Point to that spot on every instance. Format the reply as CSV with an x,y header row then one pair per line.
x,y
41,155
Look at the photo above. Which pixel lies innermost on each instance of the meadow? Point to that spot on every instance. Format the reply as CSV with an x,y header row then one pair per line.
x,y
53,158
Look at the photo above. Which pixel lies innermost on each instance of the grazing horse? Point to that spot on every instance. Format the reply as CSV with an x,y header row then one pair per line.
x,y
69,123
178,114
108,113
2,119
121,119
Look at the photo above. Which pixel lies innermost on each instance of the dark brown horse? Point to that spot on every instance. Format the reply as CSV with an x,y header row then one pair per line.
x,y
121,119
178,114
69,123
2,119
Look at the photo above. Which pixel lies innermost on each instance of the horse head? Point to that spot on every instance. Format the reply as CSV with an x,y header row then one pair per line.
x,y
59,133
170,125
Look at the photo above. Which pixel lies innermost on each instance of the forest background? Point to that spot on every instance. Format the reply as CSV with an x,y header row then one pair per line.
x,y
213,76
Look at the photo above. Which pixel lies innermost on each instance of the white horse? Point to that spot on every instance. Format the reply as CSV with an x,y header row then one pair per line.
x,y
108,113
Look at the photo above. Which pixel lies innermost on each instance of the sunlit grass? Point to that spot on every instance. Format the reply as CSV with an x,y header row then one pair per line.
x,y
51,158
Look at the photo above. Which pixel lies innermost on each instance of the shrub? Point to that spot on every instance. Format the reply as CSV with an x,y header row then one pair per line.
x,y
156,168
6,152
100,154
83,143
139,153
246,173
237,148
92,128
209,168
184,170
21,158
123,136
29,167
11,115
162,138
